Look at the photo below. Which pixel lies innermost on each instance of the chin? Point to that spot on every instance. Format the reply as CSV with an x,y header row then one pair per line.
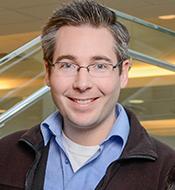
x,y
82,124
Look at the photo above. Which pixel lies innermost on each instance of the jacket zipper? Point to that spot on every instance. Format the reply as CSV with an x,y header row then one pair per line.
x,y
30,172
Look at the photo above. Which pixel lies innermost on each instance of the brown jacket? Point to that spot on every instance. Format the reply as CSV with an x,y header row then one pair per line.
x,y
143,165
171,179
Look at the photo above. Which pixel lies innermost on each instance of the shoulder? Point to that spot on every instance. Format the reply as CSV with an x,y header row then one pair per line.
x,y
13,136
15,157
139,135
165,157
163,150
11,145
15,152
9,141
141,141
11,150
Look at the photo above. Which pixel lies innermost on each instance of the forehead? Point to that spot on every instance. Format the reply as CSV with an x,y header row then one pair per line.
x,y
84,40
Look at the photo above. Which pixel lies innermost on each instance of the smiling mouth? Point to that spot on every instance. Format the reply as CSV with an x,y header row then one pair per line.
x,y
83,101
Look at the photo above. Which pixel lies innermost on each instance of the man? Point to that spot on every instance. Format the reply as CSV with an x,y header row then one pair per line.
x,y
92,142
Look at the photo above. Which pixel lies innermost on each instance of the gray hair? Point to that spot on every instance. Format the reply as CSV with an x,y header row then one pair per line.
x,y
81,12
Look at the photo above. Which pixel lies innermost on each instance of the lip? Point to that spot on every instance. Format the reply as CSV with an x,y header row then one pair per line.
x,y
83,101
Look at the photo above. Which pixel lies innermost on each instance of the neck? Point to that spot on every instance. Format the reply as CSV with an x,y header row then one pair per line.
x,y
89,136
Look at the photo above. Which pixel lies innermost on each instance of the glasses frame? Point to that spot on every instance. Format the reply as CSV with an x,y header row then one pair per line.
x,y
87,67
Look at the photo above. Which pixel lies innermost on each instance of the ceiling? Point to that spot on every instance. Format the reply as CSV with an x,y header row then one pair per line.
x,y
22,20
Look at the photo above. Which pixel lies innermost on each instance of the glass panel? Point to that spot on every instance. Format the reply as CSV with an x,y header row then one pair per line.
x,y
20,77
151,95
151,42
29,117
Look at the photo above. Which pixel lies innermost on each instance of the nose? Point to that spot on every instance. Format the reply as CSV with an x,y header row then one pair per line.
x,y
82,81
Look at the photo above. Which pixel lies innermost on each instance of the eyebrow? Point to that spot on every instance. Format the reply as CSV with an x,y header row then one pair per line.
x,y
99,58
94,58
70,57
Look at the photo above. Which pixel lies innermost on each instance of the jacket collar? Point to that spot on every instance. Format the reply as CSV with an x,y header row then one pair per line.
x,y
33,138
139,144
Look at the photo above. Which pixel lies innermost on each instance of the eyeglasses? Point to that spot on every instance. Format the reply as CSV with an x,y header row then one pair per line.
x,y
96,70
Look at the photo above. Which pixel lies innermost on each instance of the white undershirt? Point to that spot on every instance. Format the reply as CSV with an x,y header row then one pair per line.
x,y
78,154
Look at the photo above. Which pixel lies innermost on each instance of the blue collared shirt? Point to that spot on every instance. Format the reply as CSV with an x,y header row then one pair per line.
x,y
59,173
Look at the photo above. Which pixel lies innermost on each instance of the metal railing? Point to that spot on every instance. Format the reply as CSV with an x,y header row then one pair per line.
x,y
20,50
144,23
151,60
22,105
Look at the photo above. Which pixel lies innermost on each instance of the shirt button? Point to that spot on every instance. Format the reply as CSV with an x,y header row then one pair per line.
x,y
67,161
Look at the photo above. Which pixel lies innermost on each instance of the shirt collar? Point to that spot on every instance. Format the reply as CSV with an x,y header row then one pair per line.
x,y
52,126
121,126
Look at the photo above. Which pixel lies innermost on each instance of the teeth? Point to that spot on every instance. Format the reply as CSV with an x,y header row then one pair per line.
x,y
80,101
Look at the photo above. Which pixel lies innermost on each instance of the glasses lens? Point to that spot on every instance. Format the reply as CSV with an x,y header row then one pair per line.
x,y
66,69
95,70
100,70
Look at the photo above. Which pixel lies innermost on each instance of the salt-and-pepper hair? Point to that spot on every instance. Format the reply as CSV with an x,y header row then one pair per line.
x,y
84,12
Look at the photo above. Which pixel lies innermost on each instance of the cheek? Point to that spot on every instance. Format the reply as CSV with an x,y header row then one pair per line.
x,y
59,85
58,88
109,87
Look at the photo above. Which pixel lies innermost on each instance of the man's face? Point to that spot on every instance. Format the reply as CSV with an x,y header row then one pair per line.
x,y
86,101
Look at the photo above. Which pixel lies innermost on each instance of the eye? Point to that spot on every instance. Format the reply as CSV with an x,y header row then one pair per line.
x,y
66,66
101,66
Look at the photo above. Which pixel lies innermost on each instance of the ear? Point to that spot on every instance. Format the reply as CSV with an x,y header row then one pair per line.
x,y
124,74
47,73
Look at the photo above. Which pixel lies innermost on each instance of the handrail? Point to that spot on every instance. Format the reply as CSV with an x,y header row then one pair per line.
x,y
22,105
24,85
144,23
151,60
19,59
20,50
29,100
118,13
